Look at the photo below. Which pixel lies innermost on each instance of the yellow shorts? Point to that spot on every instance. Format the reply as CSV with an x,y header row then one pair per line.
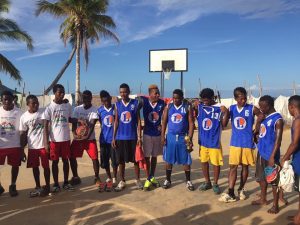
x,y
238,156
214,155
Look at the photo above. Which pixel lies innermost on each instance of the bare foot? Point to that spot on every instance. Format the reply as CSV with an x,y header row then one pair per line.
x,y
273,210
259,202
283,201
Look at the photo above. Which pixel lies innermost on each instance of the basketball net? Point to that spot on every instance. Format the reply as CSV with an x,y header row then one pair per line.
x,y
167,74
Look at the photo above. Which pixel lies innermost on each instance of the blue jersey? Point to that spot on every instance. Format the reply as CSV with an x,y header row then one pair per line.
x,y
152,116
127,115
242,121
296,155
267,136
209,125
178,119
106,117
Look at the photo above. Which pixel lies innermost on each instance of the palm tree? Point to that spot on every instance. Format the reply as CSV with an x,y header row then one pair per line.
x,y
84,21
10,31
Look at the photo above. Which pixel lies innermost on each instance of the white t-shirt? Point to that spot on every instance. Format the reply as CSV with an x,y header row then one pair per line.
x,y
58,115
9,128
86,114
34,124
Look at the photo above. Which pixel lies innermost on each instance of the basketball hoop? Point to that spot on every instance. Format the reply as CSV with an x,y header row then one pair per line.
x,y
167,73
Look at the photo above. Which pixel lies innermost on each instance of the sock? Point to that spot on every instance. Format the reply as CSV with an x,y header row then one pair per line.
x,y
187,175
168,174
231,192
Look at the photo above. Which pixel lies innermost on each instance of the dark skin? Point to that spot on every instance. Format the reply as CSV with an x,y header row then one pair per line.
x,y
224,122
177,100
33,106
87,103
124,93
266,109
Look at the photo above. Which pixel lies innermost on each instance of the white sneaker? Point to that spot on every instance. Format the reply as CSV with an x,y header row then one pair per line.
x,y
226,198
139,184
190,186
108,180
114,181
120,186
242,194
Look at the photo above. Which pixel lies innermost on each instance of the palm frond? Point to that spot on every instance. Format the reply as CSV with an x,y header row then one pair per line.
x,y
7,67
51,8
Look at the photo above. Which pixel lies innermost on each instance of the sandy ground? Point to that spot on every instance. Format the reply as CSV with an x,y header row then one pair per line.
x,y
173,206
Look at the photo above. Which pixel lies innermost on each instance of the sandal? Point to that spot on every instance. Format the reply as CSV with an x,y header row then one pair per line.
x,y
216,189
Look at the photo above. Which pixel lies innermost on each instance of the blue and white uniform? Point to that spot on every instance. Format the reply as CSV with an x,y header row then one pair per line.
x,y
106,117
296,155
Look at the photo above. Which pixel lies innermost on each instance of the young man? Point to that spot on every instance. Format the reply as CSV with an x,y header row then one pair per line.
x,y
106,118
57,116
10,146
86,113
269,142
125,136
32,129
178,117
212,117
241,151
294,148
153,108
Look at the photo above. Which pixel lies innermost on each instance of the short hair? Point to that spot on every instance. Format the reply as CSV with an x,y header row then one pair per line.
x,y
295,100
239,90
178,92
268,99
104,94
152,87
87,93
207,93
57,86
124,85
7,93
30,97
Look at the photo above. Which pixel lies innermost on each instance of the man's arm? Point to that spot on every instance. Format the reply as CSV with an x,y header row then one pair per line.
x,y
116,126
139,125
259,117
46,135
279,131
164,123
225,117
191,123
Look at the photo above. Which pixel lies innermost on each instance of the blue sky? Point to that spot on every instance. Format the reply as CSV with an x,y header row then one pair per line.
x,y
229,43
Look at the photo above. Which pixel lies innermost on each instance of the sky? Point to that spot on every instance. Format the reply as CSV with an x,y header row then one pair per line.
x,y
229,43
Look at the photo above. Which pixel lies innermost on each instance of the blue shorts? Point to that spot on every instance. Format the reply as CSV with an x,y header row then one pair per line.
x,y
175,151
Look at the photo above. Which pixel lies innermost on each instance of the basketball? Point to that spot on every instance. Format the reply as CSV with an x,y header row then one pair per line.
x,y
82,128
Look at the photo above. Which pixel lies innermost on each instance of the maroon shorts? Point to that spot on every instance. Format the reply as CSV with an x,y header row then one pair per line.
x,y
90,146
59,149
13,156
34,156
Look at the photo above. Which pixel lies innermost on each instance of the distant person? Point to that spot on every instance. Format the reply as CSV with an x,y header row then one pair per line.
x,y
10,146
178,118
294,148
16,98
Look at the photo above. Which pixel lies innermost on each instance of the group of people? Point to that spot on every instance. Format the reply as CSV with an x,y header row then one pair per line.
x,y
167,130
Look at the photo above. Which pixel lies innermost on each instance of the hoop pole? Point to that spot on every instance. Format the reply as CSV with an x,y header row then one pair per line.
x,y
181,80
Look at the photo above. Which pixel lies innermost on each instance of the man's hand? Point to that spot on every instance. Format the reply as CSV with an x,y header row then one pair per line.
x,y
23,155
47,147
113,144
271,161
163,140
139,142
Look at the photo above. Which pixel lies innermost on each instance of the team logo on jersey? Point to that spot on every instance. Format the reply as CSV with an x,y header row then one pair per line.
x,y
153,117
132,107
207,124
126,117
108,120
176,118
240,123
262,131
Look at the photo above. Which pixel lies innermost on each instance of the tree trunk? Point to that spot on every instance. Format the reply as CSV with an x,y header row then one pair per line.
x,y
61,72
77,83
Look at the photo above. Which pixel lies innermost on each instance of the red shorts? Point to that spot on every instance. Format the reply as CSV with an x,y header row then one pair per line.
x,y
34,156
59,149
13,156
77,148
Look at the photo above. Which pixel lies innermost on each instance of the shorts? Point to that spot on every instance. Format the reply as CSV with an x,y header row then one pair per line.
x,y
90,146
107,153
34,156
13,156
214,155
175,151
60,149
125,151
239,156
261,164
297,183
152,145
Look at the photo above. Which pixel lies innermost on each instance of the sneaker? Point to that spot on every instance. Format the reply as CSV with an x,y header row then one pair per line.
x,y
36,192
109,185
227,198
68,187
45,191
1,189
205,186
139,184
114,181
147,185
190,186
13,190
55,189
154,182
242,194
120,186
75,181
216,189
101,186
97,181
167,184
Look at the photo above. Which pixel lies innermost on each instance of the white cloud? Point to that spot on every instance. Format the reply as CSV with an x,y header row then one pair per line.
x,y
253,87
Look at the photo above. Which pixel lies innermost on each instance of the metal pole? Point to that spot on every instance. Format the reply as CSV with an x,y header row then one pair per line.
x,y
161,84
181,80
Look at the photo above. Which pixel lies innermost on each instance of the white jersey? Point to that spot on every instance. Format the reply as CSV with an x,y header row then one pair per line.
x,y
58,115
32,122
9,128
86,114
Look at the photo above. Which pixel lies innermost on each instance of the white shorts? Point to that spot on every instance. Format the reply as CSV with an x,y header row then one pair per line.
x,y
152,146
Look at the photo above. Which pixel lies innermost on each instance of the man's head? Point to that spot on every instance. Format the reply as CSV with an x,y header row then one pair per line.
x,y
124,91
7,98
294,105
153,92
240,95
266,104
207,96
59,92
87,98
177,97
105,98
33,103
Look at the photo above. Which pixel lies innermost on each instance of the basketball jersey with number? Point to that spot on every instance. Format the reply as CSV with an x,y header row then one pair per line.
x,y
127,115
178,119
242,121
152,116
267,136
296,154
209,125
106,116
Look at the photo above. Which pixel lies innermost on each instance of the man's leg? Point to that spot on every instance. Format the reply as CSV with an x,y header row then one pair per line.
x,y
205,170
36,175
244,176
232,179
66,168
263,194
148,167
153,165
96,168
55,172
74,166
275,207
